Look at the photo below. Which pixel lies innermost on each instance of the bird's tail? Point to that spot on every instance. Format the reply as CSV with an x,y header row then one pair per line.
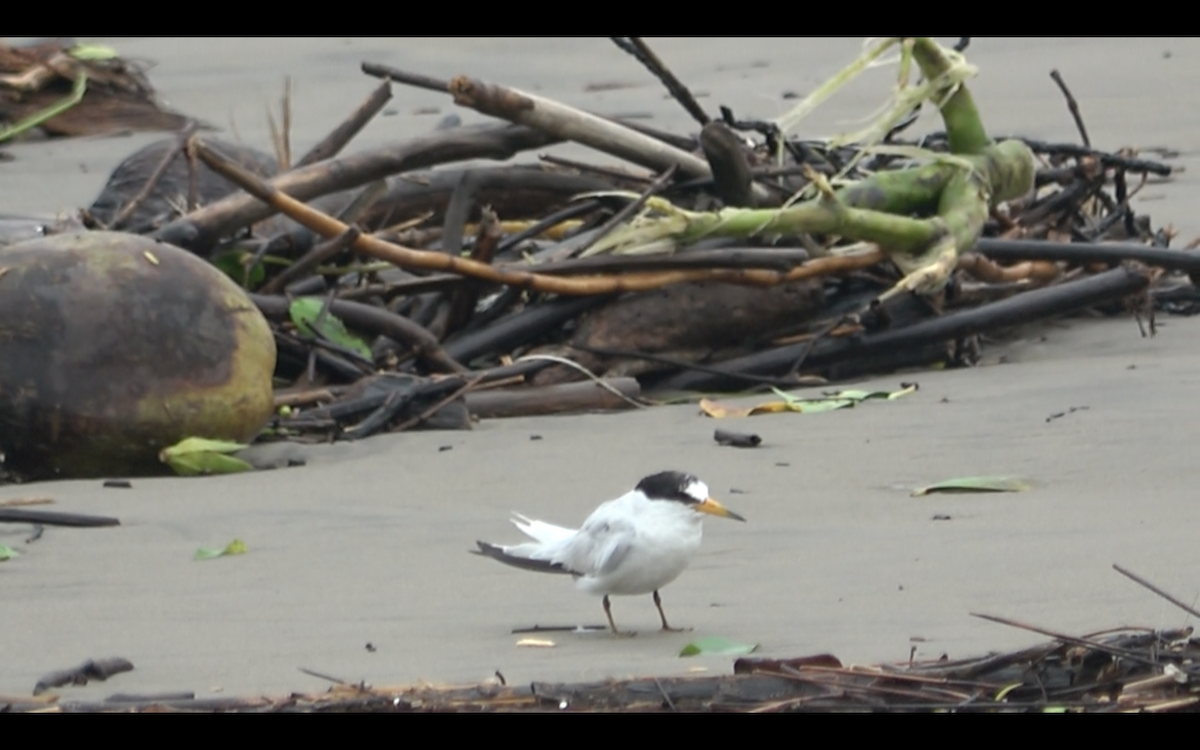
x,y
518,557
546,533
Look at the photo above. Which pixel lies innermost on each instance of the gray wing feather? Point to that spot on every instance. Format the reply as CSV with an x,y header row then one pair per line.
x,y
602,543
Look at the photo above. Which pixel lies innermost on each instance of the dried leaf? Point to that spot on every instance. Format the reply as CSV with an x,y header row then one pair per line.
x,y
975,484
718,410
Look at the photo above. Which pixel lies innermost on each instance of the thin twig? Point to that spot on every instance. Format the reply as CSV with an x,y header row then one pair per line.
x,y
570,211
159,170
1097,645
609,172
405,77
635,46
1073,106
286,162
331,144
1138,579
666,697
439,405
310,260
321,676
631,208
683,364
585,371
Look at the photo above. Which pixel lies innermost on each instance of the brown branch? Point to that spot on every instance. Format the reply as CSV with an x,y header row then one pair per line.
x,y
462,391
404,257
201,229
403,76
573,124
984,269
331,144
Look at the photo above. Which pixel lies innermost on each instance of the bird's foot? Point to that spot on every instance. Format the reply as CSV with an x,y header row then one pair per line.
x,y
669,629
624,633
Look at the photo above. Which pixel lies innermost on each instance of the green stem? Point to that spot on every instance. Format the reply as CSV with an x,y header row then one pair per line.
x,y
817,216
55,109
964,128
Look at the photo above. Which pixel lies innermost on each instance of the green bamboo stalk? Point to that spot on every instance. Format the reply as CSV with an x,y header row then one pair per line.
x,y
923,217
876,209
964,128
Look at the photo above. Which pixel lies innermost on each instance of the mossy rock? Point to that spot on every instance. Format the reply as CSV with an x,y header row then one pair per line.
x,y
113,346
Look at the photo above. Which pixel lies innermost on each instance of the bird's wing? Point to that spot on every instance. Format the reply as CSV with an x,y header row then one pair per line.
x,y
546,533
519,558
601,543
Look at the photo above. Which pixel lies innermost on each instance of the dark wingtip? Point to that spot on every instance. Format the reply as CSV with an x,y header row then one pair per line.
x,y
488,550
524,563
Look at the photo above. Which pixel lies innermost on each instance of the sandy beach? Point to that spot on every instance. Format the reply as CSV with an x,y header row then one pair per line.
x,y
367,543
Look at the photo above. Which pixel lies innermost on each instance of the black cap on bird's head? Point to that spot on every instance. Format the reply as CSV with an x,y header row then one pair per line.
x,y
683,488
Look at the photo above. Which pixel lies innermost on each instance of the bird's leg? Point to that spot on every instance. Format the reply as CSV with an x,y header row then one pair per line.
x,y
611,624
663,617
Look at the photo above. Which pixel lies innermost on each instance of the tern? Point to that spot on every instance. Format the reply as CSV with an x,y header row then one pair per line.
x,y
633,545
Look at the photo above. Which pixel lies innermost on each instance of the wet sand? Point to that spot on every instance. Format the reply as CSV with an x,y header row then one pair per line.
x,y
368,543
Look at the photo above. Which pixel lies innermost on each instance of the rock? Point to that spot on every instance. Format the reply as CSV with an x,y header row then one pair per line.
x,y
113,346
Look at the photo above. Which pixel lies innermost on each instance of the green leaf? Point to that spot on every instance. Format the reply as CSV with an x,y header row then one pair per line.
x,y
975,484
89,52
236,547
234,264
204,464
812,405
201,445
717,646
198,456
7,553
304,312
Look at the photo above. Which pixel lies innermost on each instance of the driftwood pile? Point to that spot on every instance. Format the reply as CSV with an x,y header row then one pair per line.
x,y
1127,670
65,89
475,291
1123,669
